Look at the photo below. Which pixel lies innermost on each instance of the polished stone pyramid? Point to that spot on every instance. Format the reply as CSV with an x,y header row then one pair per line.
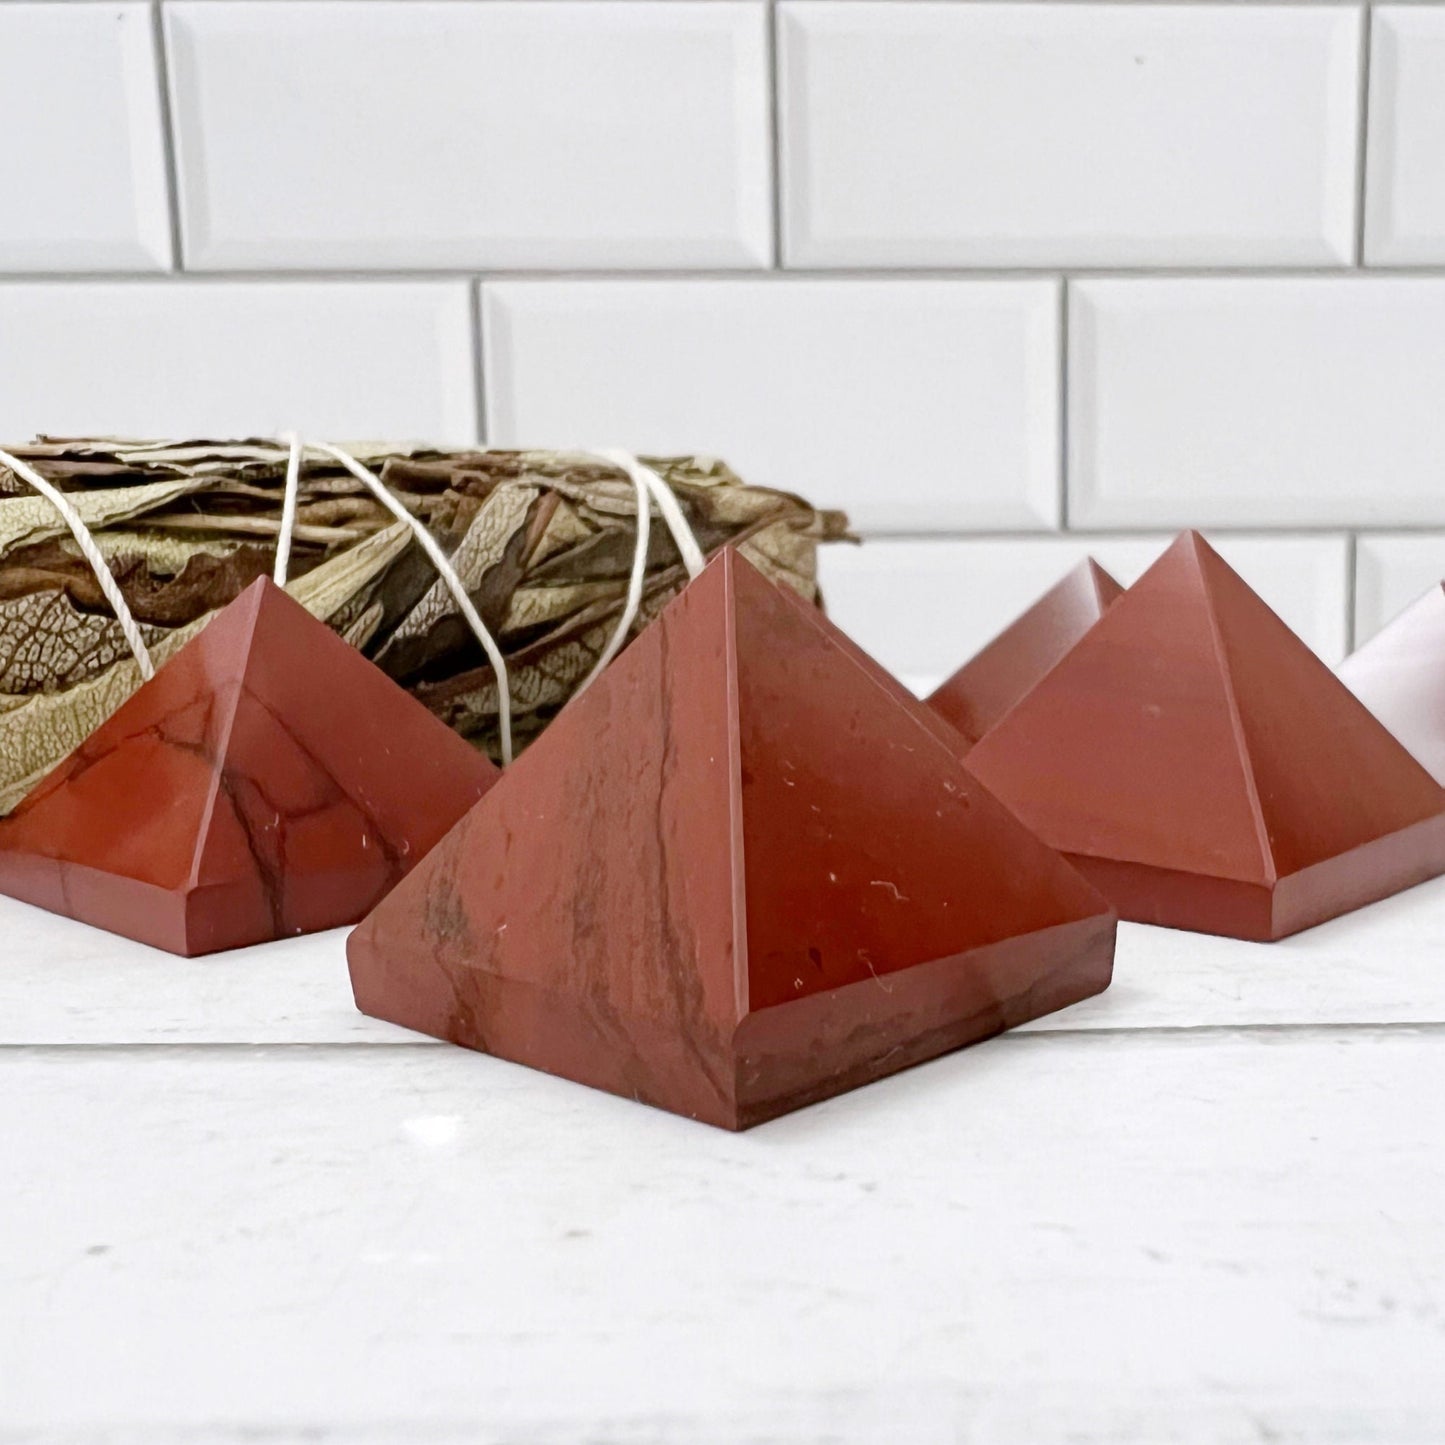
x,y
743,872
991,682
1399,674
268,781
1205,770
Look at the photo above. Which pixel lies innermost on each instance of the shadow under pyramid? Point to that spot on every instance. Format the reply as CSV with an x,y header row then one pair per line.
x,y
267,781
1205,770
744,871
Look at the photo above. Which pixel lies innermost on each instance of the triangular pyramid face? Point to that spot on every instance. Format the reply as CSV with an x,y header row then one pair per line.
x,y
1130,749
1328,777
1399,674
978,695
1191,753
268,781
858,824
741,872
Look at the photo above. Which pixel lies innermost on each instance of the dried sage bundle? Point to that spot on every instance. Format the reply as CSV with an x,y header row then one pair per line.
x,y
543,542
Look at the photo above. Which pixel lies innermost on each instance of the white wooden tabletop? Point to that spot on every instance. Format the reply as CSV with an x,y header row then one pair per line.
x,y
1206,1206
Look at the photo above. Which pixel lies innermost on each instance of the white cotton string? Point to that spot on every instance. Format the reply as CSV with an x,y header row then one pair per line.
x,y
288,509
109,587
438,559
634,586
650,487
672,513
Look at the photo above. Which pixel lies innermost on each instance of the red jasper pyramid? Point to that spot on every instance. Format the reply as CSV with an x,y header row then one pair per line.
x,y
1399,674
1205,770
988,685
268,781
742,872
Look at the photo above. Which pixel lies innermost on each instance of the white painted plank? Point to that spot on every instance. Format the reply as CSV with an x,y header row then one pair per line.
x,y
1151,1238
1381,964
61,982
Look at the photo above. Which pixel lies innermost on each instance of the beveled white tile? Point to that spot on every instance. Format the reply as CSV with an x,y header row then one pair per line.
x,y
335,360
1037,134
82,163
1391,571
1252,402
923,608
443,133
1405,170
912,404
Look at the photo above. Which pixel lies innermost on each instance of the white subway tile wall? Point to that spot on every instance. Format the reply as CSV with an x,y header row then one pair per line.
x,y
913,404
83,163
1010,282
944,134
1405,210
237,358
1259,401
407,133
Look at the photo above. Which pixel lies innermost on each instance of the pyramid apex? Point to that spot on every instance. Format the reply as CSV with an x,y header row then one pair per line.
x,y
1106,586
1190,543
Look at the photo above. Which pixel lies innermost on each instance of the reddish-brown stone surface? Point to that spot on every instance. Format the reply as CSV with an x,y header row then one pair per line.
x,y
1207,771
989,684
745,871
268,781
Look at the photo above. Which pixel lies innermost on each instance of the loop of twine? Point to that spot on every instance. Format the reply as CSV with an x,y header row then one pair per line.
x,y
428,544
90,550
650,487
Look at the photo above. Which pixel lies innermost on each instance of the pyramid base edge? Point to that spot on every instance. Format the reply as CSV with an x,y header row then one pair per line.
x,y
141,911
1364,875
796,1054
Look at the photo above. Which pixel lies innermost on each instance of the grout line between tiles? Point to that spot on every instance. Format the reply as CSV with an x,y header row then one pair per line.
x,y
1352,562
843,275
1063,404
479,363
774,133
1362,133
168,135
